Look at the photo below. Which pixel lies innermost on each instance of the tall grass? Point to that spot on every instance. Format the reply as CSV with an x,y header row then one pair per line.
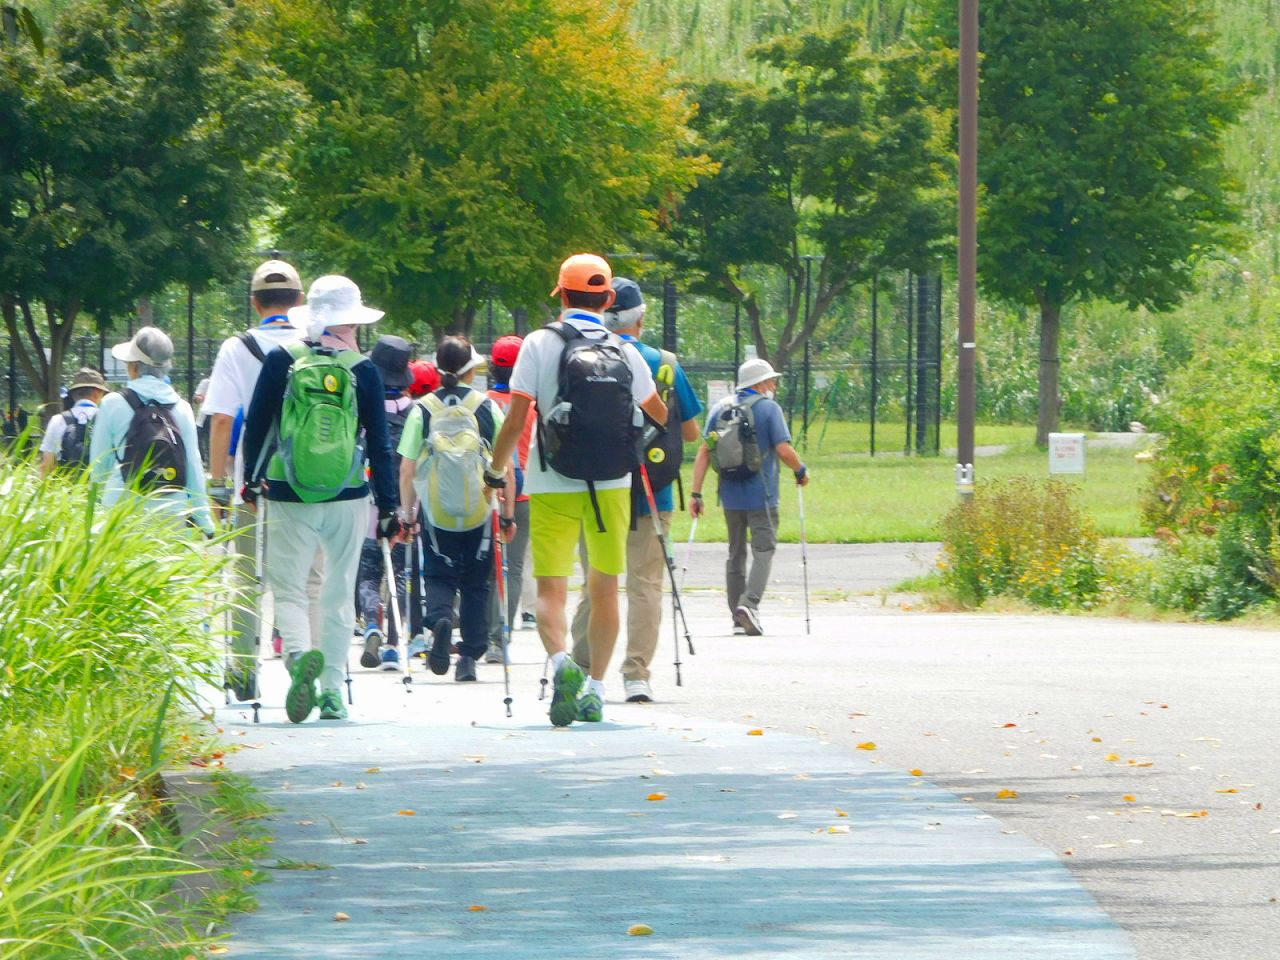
x,y
106,629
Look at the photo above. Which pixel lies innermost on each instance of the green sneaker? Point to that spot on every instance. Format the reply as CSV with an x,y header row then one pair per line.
x,y
566,686
331,705
590,707
301,698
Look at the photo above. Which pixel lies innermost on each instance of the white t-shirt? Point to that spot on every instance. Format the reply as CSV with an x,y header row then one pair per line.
x,y
83,411
235,374
537,376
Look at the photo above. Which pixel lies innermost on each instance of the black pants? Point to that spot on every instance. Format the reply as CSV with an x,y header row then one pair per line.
x,y
369,582
459,563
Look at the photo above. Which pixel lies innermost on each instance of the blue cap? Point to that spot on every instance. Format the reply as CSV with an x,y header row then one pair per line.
x,y
627,295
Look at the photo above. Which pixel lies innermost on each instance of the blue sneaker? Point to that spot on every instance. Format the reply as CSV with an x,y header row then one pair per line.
x,y
568,683
390,658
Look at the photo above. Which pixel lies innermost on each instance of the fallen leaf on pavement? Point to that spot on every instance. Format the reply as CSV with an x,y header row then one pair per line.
x,y
840,813
1007,795
1008,725
838,828
755,733
869,745
1228,790
656,796
374,770
1096,739
1112,757
916,773
639,930
341,916
477,908
1129,798
407,813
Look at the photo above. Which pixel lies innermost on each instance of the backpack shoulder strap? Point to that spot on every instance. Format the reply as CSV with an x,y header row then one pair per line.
x,y
431,404
669,359
131,397
350,359
298,349
474,400
251,344
565,331
69,418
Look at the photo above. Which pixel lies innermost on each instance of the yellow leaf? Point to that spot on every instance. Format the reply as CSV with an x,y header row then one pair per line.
x,y
129,773
840,813
838,828
477,908
407,813
916,773
1007,795
869,745
374,770
1229,790
1097,739
755,733
1113,757
1129,798
639,930
656,796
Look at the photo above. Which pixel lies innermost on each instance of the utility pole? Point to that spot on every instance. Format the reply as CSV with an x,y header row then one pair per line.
x,y
967,265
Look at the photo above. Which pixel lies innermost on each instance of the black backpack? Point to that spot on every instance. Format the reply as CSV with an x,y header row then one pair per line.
x,y
663,452
74,452
154,453
592,431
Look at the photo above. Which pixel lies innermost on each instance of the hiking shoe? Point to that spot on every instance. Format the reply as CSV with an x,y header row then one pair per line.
x,y
738,631
638,691
372,641
494,653
748,620
466,670
528,621
590,707
331,705
438,657
390,658
566,686
304,669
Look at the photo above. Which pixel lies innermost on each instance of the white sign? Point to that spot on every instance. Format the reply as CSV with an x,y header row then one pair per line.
x,y
1066,453
717,390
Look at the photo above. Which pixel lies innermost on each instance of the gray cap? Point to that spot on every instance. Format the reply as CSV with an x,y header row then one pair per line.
x,y
149,345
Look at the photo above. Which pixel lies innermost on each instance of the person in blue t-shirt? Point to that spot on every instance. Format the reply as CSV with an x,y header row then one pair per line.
x,y
750,505
646,566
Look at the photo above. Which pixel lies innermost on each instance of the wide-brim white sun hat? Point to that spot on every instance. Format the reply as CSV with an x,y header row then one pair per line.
x,y
755,371
333,301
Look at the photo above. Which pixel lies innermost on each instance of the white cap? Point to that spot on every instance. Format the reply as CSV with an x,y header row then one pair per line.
x,y
755,371
477,360
275,275
332,301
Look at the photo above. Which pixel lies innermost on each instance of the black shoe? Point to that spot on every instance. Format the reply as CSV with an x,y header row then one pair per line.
x,y
466,669
438,657
528,620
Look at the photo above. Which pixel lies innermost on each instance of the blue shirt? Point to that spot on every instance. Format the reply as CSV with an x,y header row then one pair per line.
x,y
690,408
761,490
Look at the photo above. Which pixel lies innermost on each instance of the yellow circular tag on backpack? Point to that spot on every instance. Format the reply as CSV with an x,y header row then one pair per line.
x,y
331,383
657,455
170,473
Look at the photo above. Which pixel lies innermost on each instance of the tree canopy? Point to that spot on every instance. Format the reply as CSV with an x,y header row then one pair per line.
x,y
129,161
459,151
842,160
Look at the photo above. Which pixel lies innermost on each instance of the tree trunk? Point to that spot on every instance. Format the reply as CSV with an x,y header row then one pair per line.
x,y
1050,328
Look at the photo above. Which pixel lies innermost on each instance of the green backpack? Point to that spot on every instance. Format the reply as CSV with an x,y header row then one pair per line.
x,y
319,451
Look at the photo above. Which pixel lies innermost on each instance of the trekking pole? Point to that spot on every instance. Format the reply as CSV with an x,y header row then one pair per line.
x,y
394,603
804,559
671,573
688,552
500,574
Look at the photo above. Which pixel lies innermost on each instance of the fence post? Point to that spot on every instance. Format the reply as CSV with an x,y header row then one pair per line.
x,y
670,305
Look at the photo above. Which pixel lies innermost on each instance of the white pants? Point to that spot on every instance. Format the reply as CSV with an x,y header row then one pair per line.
x,y
298,530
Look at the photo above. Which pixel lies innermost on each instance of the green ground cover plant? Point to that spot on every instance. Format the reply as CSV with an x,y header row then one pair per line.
x,y
107,635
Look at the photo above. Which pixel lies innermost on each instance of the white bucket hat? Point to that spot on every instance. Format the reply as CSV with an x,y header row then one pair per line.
x,y
755,371
332,301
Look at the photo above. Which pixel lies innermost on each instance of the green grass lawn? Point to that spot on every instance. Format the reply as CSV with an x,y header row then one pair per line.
x,y
855,498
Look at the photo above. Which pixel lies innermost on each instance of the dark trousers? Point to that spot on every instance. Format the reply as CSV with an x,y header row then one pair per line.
x,y
369,580
459,563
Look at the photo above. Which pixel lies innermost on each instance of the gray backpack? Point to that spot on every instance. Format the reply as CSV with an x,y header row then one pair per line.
x,y
735,449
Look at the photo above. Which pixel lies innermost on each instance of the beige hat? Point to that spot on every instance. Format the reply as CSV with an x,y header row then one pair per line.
x,y
149,346
755,371
87,377
275,275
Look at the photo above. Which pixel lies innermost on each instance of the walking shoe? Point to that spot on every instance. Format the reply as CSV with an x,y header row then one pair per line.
x,y
390,658
277,644
738,631
418,647
372,641
638,691
304,669
466,669
438,657
590,707
494,653
566,686
528,621
748,620
331,705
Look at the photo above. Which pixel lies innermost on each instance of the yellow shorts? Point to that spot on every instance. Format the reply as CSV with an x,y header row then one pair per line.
x,y
556,520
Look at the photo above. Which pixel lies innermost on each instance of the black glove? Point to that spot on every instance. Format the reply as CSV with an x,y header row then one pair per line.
x,y
388,524
250,492
495,480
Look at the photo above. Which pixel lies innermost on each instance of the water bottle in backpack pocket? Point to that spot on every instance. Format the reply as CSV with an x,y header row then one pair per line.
x,y
320,453
735,449
449,477
155,456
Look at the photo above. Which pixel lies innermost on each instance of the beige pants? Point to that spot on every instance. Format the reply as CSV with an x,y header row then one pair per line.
x,y
646,570
244,616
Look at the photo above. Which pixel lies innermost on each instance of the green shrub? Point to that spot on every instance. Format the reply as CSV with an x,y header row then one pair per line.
x,y
1025,539
107,620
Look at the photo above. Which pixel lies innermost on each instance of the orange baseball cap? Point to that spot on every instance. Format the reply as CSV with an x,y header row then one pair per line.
x,y
586,273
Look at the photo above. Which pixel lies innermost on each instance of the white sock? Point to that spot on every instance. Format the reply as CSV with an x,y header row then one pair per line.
x,y
596,686
557,659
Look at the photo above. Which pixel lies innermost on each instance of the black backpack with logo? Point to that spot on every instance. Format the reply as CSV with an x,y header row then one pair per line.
x,y
592,431
663,452
74,451
154,455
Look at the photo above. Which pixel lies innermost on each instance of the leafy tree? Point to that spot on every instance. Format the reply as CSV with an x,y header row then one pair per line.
x,y
128,162
460,150
842,159
1100,156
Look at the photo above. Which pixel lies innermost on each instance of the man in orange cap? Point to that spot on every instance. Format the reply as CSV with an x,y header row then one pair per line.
x,y
589,388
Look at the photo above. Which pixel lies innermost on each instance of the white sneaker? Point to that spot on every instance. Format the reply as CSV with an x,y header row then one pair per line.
x,y
638,691
748,620
738,631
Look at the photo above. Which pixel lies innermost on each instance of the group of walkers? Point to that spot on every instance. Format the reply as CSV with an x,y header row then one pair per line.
x,y
347,477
